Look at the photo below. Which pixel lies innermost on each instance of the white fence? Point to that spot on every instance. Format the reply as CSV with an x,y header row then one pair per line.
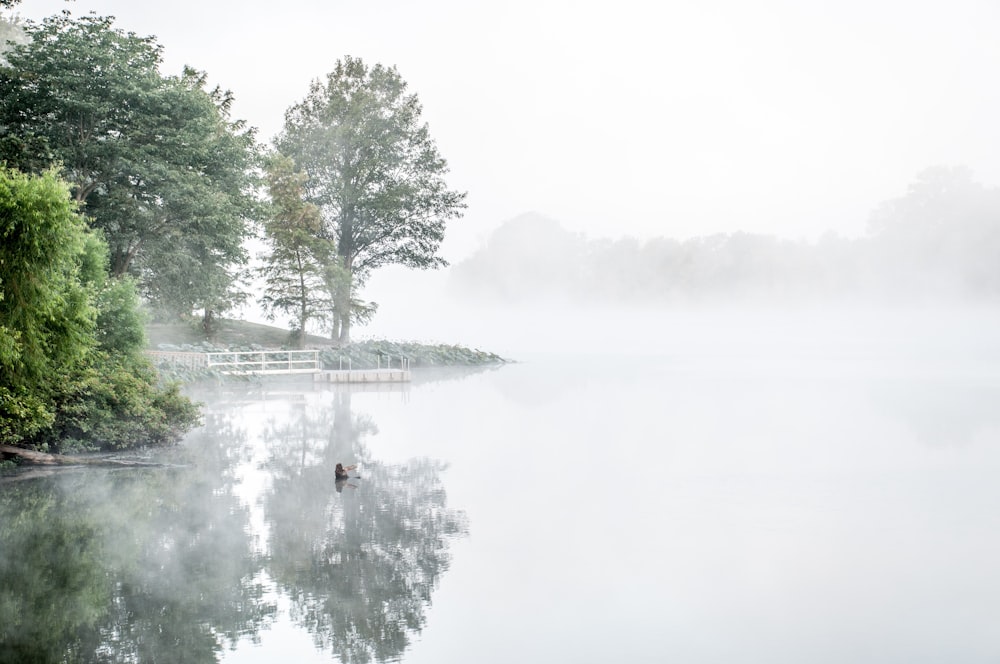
x,y
277,362
264,362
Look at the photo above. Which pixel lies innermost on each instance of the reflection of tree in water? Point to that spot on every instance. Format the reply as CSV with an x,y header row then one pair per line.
x,y
159,564
358,565
149,565
52,589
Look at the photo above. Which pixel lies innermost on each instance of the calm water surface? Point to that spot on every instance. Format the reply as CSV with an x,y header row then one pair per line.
x,y
762,507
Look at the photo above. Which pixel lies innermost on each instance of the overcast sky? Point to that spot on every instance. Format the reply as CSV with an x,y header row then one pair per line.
x,y
632,118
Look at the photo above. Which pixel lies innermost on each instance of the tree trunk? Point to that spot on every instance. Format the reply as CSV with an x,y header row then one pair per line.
x,y
344,313
303,301
208,324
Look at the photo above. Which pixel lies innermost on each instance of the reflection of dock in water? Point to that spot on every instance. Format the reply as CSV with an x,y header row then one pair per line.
x,y
395,387
363,376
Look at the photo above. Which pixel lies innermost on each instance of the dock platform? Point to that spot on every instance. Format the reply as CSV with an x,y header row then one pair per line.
x,y
362,376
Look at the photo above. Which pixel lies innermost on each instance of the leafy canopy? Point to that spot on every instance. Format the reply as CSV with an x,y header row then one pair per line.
x,y
156,161
373,171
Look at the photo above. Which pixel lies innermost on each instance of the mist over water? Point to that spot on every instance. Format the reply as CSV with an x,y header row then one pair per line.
x,y
714,484
712,445
709,510
719,479
727,477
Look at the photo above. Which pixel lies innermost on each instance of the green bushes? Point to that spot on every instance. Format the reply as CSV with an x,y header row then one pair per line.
x,y
370,354
72,374
118,404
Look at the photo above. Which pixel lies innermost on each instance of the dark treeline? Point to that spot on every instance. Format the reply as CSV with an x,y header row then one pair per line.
x,y
938,241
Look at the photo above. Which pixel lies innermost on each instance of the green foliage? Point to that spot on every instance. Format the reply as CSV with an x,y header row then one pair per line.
x,y
119,318
375,174
71,368
46,319
158,164
293,269
116,403
373,353
22,415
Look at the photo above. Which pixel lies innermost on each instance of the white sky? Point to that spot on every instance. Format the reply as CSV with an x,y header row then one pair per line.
x,y
632,118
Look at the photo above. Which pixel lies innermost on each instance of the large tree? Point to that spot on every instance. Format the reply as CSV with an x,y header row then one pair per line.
x,y
156,161
373,171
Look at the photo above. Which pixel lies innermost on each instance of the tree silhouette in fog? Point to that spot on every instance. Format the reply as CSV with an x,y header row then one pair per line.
x,y
937,241
942,236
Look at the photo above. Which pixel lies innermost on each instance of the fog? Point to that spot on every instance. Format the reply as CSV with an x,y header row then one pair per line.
x,y
638,119
744,256
634,162
923,284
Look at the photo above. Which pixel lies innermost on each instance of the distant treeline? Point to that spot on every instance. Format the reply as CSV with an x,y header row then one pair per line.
x,y
941,240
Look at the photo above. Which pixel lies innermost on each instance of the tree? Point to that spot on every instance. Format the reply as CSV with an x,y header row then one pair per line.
x,y
156,161
940,238
293,269
374,173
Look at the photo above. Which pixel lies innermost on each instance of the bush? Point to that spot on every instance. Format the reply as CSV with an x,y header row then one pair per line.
x,y
116,405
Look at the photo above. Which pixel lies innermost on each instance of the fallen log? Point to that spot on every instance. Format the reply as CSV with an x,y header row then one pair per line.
x,y
33,457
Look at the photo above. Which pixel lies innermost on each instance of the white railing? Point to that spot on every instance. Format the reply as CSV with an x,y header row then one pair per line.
x,y
269,361
264,362
404,362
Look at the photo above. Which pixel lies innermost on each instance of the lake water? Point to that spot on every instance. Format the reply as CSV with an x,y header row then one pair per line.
x,y
716,500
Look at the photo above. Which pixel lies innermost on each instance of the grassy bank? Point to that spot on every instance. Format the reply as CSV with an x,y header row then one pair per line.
x,y
229,334
235,335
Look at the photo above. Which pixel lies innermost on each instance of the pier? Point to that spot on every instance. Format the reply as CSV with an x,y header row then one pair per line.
x,y
287,362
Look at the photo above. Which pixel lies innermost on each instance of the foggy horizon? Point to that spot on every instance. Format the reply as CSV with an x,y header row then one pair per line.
x,y
786,119
734,267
